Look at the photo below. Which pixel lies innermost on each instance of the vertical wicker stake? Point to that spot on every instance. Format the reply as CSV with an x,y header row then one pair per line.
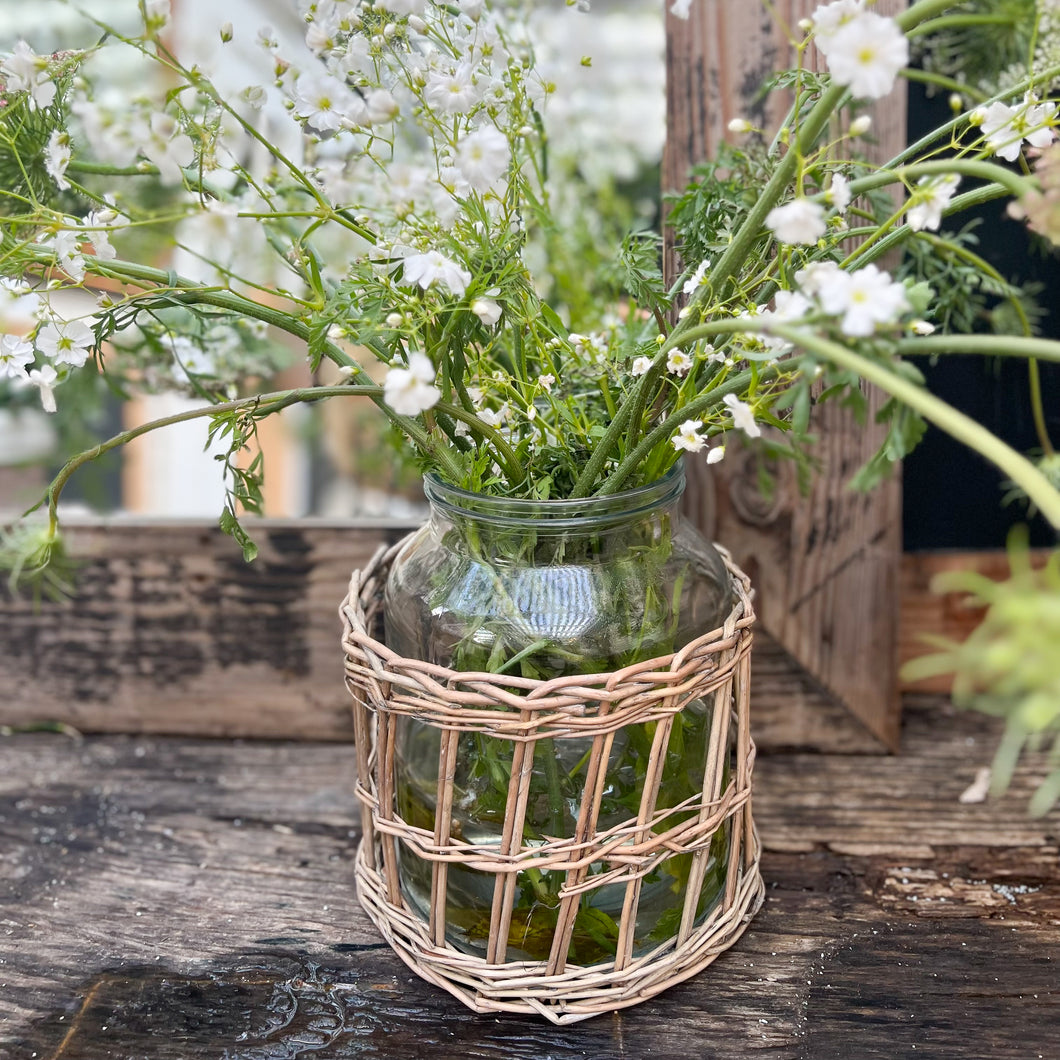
x,y
712,672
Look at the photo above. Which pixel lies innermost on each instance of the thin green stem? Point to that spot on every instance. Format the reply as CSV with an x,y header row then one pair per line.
x,y
262,404
954,422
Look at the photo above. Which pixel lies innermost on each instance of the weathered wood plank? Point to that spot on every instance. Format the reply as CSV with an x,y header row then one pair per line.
x,y
826,566
173,898
171,632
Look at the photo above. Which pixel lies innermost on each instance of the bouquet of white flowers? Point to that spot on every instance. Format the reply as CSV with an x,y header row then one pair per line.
x,y
397,216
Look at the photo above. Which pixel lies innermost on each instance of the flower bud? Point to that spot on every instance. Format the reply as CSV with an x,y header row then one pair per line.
x,y
860,125
740,125
226,32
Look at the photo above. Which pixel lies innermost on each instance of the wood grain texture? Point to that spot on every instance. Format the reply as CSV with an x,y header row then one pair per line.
x,y
173,898
171,632
826,565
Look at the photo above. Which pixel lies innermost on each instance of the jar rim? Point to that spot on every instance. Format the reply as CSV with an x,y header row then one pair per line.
x,y
562,513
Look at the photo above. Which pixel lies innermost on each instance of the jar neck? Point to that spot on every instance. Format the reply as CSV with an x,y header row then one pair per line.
x,y
588,515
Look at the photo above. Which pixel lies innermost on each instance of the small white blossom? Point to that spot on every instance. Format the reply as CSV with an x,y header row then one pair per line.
x,y
431,268
168,148
640,365
930,200
326,103
693,281
26,71
452,92
863,299
839,193
57,158
487,310
743,417
798,221
688,437
829,19
44,378
15,355
922,327
678,363
68,251
403,7
716,455
547,382
482,157
866,54
740,125
68,342
1005,128
409,391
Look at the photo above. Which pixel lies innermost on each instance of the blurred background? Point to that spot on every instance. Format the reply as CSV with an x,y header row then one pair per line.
x,y
606,124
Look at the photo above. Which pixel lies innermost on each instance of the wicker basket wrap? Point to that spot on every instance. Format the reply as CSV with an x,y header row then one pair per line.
x,y
384,685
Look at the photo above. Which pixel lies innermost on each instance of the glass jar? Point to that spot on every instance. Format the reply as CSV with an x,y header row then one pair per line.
x,y
544,589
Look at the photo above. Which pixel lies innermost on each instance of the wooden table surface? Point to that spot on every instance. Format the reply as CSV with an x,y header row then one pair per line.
x,y
168,897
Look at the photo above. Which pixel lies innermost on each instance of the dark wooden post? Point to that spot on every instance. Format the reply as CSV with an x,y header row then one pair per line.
x,y
825,566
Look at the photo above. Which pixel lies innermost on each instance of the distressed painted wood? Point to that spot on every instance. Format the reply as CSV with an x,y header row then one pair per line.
x,y
172,897
171,632
826,566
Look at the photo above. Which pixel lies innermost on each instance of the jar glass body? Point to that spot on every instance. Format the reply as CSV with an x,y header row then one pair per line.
x,y
544,589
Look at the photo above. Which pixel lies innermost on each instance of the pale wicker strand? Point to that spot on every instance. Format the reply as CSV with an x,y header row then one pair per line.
x,y
714,668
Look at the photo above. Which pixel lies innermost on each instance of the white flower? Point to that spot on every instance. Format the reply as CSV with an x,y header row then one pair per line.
x,y
828,19
493,419
547,382
1005,128
15,355
326,103
688,437
68,251
482,157
930,200
866,54
743,416
922,327
681,8
487,310
452,93
26,71
640,365
798,221
693,281
678,363
740,125
68,342
716,455
403,7
863,299
431,268
169,149
44,379
156,13
813,277
839,193
379,107
408,391
57,158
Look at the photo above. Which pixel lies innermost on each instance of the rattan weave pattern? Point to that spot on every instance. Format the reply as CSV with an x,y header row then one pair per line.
x,y
714,667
